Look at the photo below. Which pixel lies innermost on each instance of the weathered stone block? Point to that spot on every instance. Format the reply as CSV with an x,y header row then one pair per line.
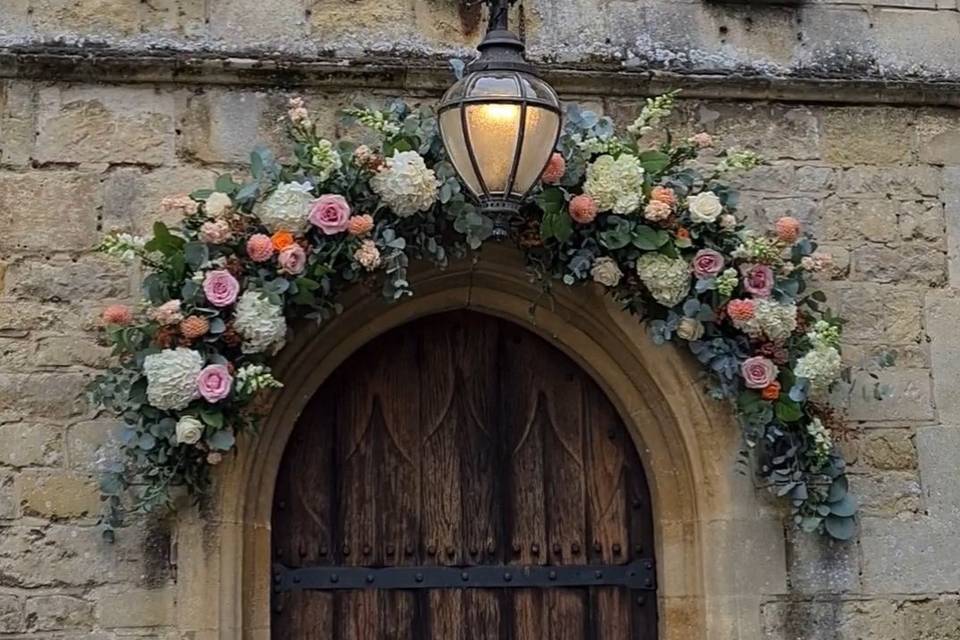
x,y
64,351
58,279
878,314
11,614
898,182
942,309
105,125
870,219
28,443
923,221
908,396
254,22
86,440
951,203
90,17
42,395
888,449
125,607
9,509
777,131
821,565
60,210
57,612
132,195
907,263
934,618
888,494
16,353
363,25
938,449
17,116
938,134
224,126
831,620
59,555
868,135
18,318
58,494
907,556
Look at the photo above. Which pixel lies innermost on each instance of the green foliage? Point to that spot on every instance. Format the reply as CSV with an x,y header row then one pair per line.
x,y
781,424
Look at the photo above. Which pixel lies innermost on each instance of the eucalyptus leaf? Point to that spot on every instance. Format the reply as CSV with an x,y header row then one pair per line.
x,y
840,528
222,440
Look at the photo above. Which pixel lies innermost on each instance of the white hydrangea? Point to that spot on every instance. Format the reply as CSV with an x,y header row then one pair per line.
x,y
260,322
668,279
287,208
172,377
821,366
405,184
615,184
771,319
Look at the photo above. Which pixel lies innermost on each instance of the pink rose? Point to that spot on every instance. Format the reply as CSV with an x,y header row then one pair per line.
x,y
214,382
707,263
757,279
330,213
758,372
221,288
293,260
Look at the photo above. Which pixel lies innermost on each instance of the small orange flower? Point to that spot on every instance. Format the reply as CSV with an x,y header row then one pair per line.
x,y
683,234
771,391
281,240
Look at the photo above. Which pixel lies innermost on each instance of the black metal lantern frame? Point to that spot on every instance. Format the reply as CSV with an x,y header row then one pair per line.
x,y
502,55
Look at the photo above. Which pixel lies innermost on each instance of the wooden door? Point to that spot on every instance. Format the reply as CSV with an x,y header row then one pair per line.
x,y
459,478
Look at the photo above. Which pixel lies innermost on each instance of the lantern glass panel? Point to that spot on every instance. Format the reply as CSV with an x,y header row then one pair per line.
x,y
540,135
493,129
451,130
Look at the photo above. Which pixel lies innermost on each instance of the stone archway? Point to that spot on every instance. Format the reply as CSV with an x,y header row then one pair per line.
x,y
720,546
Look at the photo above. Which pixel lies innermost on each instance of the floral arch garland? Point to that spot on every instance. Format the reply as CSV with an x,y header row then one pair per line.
x,y
655,228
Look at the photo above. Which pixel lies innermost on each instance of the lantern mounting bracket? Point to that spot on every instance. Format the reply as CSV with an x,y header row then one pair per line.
x,y
501,49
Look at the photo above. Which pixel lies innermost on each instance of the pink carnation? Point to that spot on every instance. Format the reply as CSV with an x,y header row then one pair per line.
x,y
330,213
117,314
740,310
583,209
360,225
657,210
221,288
664,195
758,372
788,229
758,279
702,140
707,263
214,382
293,260
260,247
215,232
168,313
556,167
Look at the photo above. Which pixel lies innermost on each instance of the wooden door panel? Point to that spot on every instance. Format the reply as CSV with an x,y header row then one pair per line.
x,y
461,440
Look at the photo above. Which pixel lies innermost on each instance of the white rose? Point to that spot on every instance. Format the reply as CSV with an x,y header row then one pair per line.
x,y
704,207
728,221
189,430
217,204
606,272
690,329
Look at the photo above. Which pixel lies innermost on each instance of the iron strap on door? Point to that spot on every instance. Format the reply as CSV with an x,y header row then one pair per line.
x,y
637,575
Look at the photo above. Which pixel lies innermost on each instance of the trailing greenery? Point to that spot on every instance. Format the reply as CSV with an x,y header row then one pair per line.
x,y
652,224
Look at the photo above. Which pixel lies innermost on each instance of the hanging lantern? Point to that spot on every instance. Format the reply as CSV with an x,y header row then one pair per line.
x,y
500,123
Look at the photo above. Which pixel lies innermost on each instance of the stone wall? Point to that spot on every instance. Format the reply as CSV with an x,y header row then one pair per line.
x,y
844,38
880,185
